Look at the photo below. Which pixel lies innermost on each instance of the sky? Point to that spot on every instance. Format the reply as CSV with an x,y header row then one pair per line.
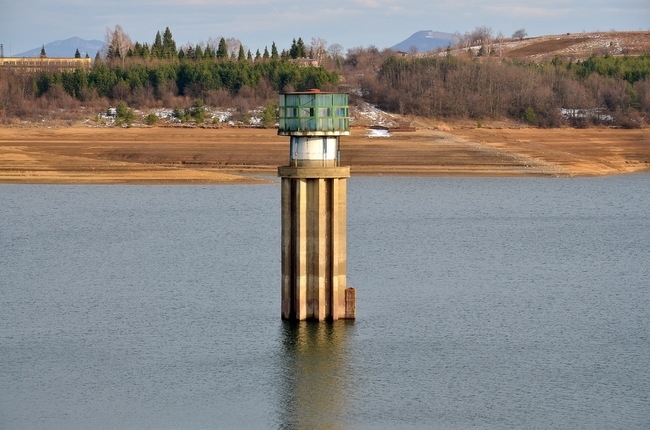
x,y
28,24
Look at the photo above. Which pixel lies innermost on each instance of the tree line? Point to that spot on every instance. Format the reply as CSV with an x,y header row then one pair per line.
x,y
599,89
156,83
145,76
119,46
191,79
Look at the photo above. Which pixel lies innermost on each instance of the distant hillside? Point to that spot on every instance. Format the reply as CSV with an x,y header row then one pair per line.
x,y
66,48
568,46
579,45
424,41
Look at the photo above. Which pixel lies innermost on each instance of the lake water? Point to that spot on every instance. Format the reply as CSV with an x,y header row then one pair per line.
x,y
484,303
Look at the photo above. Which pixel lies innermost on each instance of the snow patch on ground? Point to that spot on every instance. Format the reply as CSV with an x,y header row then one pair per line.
x,y
586,113
365,113
377,133
361,115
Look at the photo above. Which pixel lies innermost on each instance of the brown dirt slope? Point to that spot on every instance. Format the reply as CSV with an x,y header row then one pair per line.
x,y
230,155
545,46
579,46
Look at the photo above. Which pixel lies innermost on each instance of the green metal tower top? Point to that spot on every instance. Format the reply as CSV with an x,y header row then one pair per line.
x,y
313,113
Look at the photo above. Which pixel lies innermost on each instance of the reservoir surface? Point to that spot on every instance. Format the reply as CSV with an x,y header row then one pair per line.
x,y
484,303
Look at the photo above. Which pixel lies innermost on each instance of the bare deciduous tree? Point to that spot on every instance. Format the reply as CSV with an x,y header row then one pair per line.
x,y
335,52
500,40
319,48
519,34
118,43
483,36
233,46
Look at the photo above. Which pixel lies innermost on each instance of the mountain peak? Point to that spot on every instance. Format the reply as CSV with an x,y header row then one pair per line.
x,y
425,40
66,48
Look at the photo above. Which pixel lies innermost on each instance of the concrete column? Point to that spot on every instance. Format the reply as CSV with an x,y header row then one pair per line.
x,y
314,243
300,268
287,247
339,265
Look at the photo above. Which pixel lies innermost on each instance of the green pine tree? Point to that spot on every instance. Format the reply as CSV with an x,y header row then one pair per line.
x,y
157,47
125,116
222,49
168,44
301,48
293,51
298,49
270,114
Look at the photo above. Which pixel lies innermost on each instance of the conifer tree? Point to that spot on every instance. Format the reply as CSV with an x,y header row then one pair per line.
x,y
77,54
274,52
293,51
241,55
43,55
157,47
302,49
140,50
266,54
298,49
222,49
270,114
168,44
208,52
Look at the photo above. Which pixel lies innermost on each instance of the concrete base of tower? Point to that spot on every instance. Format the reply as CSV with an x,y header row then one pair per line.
x,y
314,244
350,303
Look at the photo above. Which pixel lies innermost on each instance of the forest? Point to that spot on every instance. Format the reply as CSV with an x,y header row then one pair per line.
x,y
599,90
609,90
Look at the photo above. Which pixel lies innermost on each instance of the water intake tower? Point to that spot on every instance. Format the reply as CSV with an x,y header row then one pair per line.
x,y
314,207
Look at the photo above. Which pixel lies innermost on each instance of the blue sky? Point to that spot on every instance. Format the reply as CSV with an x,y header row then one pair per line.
x,y
29,24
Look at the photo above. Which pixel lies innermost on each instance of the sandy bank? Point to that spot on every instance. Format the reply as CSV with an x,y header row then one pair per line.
x,y
84,155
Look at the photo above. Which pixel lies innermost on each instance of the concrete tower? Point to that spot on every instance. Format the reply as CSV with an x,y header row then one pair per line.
x,y
314,207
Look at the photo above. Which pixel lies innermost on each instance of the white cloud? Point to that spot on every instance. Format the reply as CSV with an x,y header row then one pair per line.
x,y
369,3
520,11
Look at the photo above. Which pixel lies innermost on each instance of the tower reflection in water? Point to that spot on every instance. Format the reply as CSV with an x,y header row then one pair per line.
x,y
316,385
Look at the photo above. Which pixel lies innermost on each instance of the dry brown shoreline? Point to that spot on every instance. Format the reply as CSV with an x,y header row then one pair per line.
x,y
85,155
